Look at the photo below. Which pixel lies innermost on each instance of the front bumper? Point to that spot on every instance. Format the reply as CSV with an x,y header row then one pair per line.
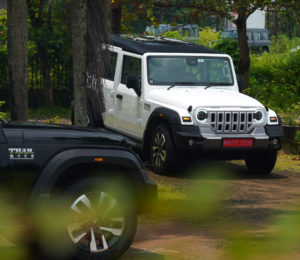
x,y
207,142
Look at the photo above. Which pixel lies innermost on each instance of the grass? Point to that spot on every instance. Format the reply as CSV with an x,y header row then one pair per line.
x,y
46,114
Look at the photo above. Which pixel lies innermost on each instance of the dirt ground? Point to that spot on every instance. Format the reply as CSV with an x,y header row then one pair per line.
x,y
245,220
249,213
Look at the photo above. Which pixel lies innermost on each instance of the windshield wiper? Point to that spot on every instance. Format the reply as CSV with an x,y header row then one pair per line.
x,y
217,84
181,83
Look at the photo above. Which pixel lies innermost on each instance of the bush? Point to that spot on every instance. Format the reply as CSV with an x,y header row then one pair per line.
x,y
230,47
173,34
2,115
207,36
274,79
283,44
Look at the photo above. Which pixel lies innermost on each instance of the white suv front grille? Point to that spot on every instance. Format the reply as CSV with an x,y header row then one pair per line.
x,y
231,121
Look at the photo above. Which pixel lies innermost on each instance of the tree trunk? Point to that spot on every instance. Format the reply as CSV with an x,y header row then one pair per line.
x,y
116,15
17,41
78,24
47,82
244,63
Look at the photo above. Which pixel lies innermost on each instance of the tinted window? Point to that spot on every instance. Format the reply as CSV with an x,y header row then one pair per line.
x,y
249,35
264,35
110,72
256,36
130,66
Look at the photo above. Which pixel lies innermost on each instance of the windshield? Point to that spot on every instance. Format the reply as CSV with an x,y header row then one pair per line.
x,y
194,70
229,34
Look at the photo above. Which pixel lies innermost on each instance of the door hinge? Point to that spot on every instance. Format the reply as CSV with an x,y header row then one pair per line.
x,y
141,102
139,122
111,112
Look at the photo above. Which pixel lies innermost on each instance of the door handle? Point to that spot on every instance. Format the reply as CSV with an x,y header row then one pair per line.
x,y
119,96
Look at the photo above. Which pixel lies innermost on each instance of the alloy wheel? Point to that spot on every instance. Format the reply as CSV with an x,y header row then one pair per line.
x,y
159,149
97,223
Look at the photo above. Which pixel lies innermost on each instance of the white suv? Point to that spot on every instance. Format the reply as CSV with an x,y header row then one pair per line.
x,y
174,99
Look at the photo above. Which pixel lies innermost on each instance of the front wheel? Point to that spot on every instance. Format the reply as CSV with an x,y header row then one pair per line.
x,y
262,163
95,220
163,153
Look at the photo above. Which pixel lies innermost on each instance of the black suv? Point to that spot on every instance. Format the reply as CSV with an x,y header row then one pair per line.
x,y
258,39
89,182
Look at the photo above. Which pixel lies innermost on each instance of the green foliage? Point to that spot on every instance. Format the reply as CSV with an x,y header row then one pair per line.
x,y
230,47
297,138
274,79
208,35
3,27
173,34
283,43
291,114
2,115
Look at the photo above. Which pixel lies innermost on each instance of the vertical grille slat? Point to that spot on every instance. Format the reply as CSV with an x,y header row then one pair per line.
x,y
231,121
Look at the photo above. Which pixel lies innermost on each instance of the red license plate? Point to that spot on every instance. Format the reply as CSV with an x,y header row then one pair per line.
x,y
237,142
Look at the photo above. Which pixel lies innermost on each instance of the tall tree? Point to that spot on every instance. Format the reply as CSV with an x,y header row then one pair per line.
x,y
42,26
79,27
224,8
17,40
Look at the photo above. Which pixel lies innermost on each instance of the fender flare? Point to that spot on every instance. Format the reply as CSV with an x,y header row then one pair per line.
x,y
167,114
61,162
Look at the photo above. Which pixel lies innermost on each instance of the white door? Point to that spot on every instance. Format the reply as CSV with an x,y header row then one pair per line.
x,y
127,105
109,83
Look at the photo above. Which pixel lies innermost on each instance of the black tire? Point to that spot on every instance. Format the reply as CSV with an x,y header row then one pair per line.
x,y
164,156
262,163
99,223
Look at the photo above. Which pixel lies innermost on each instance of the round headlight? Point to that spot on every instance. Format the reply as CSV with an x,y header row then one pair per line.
x,y
258,115
201,115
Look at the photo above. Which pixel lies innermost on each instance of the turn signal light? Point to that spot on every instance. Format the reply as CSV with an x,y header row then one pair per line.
x,y
98,159
273,119
187,119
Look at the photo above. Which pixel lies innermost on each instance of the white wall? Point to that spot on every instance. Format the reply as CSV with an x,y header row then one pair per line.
x,y
255,20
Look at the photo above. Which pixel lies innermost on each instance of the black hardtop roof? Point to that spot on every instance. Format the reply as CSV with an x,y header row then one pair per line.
x,y
141,44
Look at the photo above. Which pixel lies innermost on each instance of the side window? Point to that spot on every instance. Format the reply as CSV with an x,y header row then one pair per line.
x,y
256,36
264,35
131,66
249,35
110,72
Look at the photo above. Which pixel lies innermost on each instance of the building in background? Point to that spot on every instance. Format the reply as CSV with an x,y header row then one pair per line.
x,y
255,20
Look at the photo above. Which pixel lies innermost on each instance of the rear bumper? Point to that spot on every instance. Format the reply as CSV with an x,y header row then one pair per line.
x,y
206,142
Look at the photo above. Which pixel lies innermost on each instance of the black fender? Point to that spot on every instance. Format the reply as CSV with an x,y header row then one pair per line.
x,y
159,114
61,162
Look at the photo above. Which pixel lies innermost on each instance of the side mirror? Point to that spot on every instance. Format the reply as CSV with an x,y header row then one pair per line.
x,y
133,81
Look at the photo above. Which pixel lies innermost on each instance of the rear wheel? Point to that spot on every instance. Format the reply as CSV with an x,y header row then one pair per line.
x,y
97,220
262,163
163,154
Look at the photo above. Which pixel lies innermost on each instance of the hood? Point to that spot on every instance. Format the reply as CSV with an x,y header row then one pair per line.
x,y
44,133
199,97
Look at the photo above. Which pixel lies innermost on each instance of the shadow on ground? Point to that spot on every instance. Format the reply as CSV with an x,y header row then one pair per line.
x,y
212,170
138,254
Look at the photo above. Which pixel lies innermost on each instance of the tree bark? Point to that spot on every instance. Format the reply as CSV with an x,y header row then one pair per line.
x,y
79,27
17,40
116,15
244,63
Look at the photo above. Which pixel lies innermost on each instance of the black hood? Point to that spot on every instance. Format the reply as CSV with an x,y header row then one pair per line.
x,y
33,132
